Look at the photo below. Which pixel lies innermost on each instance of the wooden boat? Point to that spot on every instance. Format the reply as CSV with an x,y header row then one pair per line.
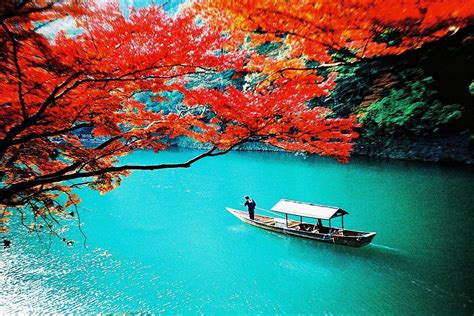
x,y
299,228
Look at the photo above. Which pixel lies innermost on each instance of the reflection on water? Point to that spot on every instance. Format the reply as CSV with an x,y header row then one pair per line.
x,y
163,242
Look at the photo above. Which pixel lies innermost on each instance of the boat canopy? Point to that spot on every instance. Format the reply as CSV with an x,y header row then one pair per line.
x,y
307,209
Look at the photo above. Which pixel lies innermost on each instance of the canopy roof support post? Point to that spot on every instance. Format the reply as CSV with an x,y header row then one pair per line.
x,y
286,220
329,225
301,219
342,219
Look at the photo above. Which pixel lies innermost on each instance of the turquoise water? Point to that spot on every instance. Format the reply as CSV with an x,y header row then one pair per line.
x,y
162,242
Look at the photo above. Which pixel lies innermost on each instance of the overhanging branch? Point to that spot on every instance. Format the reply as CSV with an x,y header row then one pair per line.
x,y
7,193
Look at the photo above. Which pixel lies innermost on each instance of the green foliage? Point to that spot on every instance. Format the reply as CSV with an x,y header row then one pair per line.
x,y
211,80
268,48
390,37
350,89
412,108
171,101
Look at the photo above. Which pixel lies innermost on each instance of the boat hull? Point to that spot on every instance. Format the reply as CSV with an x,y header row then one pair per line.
x,y
341,237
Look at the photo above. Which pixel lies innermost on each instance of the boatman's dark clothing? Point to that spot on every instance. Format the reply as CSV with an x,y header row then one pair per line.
x,y
250,203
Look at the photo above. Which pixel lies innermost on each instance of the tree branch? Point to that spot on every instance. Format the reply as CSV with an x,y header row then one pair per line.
x,y
49,134
6,193
16,10
17,68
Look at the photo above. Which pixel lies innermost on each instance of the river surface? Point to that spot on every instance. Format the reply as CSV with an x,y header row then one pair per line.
x,y
163,242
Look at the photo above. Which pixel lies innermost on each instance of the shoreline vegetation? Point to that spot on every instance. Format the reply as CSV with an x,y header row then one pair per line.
x,y
443,149
416,106
409,109
454,149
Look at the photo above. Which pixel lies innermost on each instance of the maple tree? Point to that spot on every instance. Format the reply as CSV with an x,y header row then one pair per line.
x,y
325,31
52,87
301,38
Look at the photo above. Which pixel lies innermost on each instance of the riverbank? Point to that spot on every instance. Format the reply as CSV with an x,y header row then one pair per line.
x,y
440,148
446,149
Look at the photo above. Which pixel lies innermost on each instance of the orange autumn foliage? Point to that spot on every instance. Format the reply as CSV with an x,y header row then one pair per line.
x,y
331,33
53,87
317,28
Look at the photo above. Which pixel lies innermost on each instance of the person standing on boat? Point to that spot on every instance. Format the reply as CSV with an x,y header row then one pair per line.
x,y
250,203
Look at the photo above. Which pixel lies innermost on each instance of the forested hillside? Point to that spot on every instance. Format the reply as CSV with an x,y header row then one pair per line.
x,y
417,105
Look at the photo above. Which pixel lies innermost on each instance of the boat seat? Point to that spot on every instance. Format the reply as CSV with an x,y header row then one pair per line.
x,y
293,225
338,232
268,222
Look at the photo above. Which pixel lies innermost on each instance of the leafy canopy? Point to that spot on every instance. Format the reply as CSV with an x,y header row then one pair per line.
x,y
53,88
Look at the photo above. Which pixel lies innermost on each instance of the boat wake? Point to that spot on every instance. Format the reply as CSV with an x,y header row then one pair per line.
x,y
237,228
385,247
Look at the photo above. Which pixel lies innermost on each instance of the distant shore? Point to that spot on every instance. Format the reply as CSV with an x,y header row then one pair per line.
x,y
452,149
